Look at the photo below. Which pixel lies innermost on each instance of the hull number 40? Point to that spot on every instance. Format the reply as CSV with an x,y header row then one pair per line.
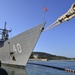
x,y
17,48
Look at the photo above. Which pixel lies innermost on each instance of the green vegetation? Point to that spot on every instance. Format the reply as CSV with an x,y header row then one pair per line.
x,y
42,55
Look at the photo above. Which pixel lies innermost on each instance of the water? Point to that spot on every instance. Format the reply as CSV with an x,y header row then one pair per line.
x,y
41,70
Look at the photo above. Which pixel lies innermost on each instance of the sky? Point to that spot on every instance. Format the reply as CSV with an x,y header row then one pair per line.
x,y
22,15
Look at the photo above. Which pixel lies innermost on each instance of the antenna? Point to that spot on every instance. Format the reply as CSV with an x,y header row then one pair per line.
x,y
5,25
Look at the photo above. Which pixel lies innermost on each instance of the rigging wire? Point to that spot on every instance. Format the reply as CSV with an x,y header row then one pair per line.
x,y
51,26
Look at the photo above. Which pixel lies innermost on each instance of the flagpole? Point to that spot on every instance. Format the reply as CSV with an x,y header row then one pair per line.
x,y
43,13
43,16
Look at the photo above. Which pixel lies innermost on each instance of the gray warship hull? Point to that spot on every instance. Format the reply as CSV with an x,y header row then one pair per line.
x,y
17,50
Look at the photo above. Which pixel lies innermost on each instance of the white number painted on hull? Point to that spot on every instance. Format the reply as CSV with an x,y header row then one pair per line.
x,y
17,48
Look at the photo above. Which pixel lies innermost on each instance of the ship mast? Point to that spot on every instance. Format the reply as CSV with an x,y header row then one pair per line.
x,y
4,33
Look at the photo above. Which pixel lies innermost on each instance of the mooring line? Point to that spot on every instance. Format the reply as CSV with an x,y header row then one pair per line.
x,y
59,68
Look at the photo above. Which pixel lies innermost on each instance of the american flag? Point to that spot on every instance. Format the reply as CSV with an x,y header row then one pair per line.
x,y
45,9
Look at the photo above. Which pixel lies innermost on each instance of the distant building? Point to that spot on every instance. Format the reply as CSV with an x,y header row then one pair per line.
x,y
35,56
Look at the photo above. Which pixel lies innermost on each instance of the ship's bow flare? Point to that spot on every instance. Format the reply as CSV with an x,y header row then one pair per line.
x,y
18,49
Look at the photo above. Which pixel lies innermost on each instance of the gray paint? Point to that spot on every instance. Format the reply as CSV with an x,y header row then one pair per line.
x,y
20,46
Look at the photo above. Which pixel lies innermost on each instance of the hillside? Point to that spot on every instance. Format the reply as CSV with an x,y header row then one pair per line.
x,y
42,55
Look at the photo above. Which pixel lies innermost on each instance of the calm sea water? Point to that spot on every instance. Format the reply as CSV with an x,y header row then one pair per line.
x,y
41,70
